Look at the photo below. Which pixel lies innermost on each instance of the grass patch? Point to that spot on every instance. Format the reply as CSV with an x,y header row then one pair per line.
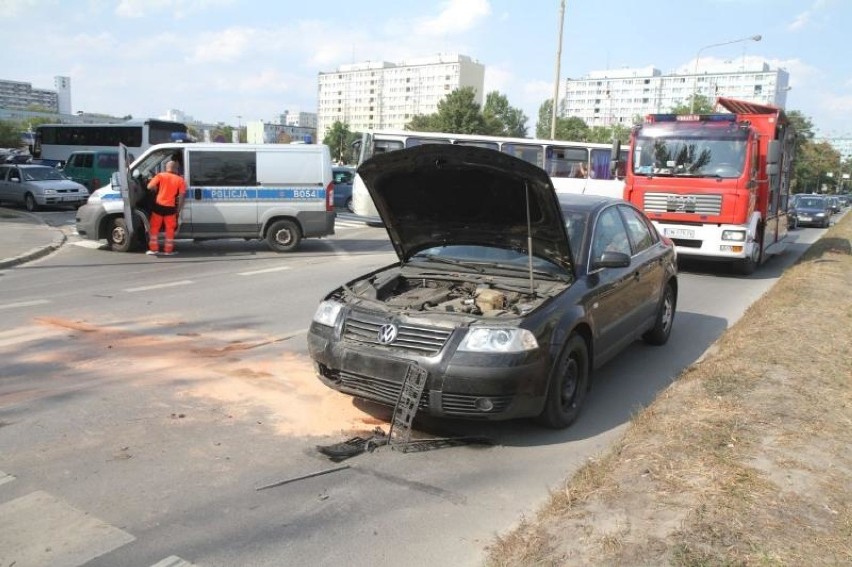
x,y
743,461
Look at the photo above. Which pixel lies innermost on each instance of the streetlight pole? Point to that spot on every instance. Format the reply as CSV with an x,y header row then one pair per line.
x,y
698,56
558,61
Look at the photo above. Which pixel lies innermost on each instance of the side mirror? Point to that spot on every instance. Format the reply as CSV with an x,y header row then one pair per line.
x,y
773,152
612,260
614,157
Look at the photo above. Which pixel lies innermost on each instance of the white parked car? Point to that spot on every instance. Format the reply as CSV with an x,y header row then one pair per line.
x,y
36,186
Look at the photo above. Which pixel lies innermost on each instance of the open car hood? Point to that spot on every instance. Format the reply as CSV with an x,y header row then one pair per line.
x,y
441,194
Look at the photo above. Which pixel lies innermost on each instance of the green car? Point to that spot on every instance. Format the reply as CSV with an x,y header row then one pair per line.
x,y
92,168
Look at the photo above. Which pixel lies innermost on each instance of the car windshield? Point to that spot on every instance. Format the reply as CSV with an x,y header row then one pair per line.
x,y
690,149
575,225
42,174
476,257
810,203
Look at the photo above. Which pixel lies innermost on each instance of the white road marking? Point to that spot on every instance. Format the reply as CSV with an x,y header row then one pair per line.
x,y
4,478
19,335
25,304
266,271
172,561
158,286
91,244
40,529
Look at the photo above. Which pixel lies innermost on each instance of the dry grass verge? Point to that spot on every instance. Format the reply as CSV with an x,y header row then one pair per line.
x,y
744,460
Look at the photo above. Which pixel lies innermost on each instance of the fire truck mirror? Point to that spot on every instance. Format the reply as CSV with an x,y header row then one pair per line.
x,y
772,169
773,153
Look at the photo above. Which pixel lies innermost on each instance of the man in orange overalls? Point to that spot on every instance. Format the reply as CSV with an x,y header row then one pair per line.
x,y
170,188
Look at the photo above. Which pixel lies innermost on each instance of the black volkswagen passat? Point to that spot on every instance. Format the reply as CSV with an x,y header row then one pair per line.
x,y
506,295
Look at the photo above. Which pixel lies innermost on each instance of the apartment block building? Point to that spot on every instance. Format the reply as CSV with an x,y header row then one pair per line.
x,y
617,96
300,119
384,95
20,95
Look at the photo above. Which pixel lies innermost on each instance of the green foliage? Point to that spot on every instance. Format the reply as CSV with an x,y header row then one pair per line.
x,y
817,167
459,113
703,105
573,129
339,140
10,134
501,119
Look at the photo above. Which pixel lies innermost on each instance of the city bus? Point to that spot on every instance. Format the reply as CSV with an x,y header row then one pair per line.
x,y
56,142
574,167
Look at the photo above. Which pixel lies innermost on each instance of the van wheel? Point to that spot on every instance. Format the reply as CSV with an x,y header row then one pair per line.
x,y
349,206
30,203
569,383
118,237
283,236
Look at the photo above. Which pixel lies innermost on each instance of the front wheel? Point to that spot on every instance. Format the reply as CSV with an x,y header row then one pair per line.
x,y
661,331
119,237
569,382
30,203
283,236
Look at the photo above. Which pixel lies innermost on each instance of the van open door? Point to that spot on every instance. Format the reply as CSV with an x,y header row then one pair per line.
x,y
124,187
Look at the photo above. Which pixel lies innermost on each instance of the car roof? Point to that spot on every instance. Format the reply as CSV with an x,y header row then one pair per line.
x,y
585,202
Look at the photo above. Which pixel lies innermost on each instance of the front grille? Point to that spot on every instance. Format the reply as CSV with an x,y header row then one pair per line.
x,y
376,389
465,404
410,338
685,243
676,203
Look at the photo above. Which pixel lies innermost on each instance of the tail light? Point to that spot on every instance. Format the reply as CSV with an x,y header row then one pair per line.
x,y
329,197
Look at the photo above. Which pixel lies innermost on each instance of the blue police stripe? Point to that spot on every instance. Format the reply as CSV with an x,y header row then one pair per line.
x,y
261,193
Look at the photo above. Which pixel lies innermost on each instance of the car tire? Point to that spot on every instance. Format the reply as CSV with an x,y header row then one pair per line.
x,y
659,334
349,206
119,238
283,236
30,203
569,383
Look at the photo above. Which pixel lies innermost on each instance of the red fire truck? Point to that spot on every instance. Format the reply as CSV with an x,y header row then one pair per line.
x,y
716,184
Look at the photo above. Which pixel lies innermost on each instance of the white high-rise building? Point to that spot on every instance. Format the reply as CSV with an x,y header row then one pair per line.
x,y
382,95
617,96
63,93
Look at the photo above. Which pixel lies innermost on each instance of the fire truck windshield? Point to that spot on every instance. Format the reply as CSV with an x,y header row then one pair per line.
x,y
690,149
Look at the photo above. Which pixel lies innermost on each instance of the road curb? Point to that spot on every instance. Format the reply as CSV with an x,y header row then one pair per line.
x,y
37,252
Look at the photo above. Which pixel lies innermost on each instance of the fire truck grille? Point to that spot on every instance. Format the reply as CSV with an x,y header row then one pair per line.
x,y
677,203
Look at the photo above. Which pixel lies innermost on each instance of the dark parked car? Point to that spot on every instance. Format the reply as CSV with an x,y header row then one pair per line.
x,y
507,296
36,186
342,178
813,210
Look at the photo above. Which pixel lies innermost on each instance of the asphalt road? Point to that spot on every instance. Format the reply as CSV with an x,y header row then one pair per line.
x,y
143,402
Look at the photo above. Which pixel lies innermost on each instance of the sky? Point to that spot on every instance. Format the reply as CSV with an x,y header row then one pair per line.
x,y
233,61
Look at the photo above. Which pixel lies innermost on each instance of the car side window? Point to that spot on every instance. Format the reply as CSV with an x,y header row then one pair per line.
x,y
640,232
14,174
88,160
610,234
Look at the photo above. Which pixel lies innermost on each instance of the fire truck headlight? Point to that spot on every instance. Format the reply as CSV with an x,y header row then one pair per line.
x,y
734,235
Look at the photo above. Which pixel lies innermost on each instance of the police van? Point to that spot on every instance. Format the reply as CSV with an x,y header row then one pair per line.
x,y
275,192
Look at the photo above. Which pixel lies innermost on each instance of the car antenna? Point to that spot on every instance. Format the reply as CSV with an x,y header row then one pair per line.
x,y
529,237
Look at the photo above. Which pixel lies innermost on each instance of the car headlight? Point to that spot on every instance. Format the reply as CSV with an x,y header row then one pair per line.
x,y
498,339
327,313
819,215
735,235
50,191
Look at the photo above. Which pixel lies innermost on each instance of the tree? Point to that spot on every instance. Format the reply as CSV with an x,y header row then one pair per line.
x,y
703,105
571,129
339,139
10,134
502,119
814,163
458,113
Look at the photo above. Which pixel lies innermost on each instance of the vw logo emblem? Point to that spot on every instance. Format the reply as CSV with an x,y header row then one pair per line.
x,y
387,334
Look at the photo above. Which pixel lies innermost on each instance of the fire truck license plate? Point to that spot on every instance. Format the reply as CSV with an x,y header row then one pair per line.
x,y
679,233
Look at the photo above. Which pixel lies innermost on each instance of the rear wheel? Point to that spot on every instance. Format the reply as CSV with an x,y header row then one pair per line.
x,y
283,236
30,203
349,206
569,382
662,329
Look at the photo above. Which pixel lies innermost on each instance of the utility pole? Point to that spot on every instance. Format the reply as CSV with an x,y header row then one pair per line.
x,y
558,61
